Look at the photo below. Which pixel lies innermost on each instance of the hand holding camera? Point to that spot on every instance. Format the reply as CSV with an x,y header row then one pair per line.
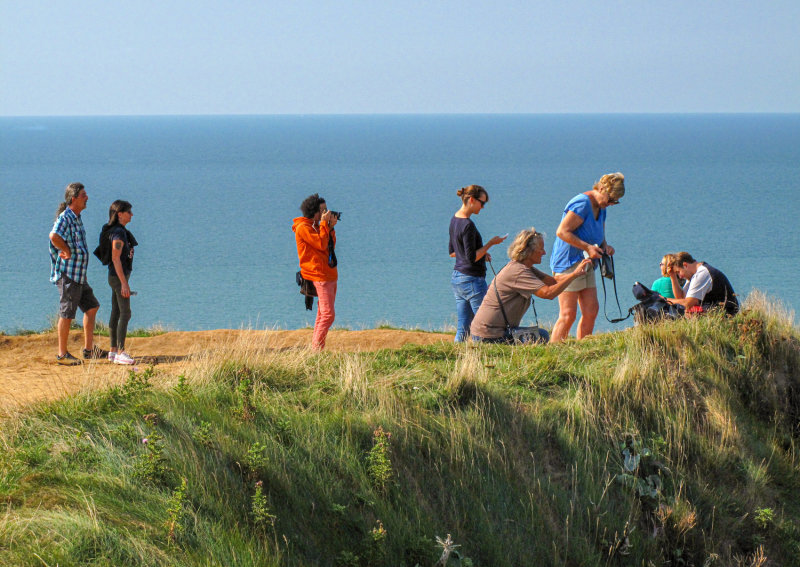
x,y
594,252
331,217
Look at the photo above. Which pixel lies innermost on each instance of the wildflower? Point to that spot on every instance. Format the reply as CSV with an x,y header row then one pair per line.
x,y
145,441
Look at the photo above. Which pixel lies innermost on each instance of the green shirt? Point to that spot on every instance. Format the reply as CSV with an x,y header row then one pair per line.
x,y
664,287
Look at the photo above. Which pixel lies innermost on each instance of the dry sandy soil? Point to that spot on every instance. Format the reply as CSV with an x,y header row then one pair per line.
x,y
28,372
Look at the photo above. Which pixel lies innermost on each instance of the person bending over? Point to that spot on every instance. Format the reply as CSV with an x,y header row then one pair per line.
x,y
705,286
315,241
583,229
515,284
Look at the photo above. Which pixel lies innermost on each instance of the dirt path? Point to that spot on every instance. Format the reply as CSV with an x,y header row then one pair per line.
x,y
28,372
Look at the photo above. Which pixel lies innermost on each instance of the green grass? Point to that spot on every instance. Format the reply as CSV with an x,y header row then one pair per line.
x,y
100,329
673,444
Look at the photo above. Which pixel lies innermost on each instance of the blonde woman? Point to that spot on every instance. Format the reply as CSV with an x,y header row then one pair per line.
x,y
582,229
663,285
515,284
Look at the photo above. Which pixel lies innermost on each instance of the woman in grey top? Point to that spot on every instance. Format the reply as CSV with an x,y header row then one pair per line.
x,y
515,284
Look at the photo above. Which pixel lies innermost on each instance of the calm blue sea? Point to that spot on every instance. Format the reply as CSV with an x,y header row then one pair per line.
x,y
214,197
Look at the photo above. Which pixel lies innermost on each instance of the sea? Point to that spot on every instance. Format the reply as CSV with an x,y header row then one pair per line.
x,y
214,197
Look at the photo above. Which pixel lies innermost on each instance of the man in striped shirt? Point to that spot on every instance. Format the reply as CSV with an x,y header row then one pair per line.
x,y
69,264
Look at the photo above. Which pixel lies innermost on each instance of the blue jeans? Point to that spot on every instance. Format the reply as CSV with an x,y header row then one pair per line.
x,y
469,292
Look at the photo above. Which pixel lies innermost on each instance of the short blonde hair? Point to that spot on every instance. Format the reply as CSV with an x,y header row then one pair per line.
x,y
525,243
612,184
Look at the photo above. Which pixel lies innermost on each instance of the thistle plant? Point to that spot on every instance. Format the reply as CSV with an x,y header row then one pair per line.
x,y
177,514
379,465
138,382
182,389
246,408
262,516
203,434
256,458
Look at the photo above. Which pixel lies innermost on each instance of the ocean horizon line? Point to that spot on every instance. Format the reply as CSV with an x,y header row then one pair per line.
x,y
406,114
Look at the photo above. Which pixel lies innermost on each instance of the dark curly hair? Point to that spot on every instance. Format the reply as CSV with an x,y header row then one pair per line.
x,y
310,206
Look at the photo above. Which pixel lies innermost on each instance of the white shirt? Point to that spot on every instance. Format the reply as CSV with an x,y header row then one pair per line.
x,y
699,285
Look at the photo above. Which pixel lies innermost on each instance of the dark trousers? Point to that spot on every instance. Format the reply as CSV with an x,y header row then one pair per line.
x,y
120,313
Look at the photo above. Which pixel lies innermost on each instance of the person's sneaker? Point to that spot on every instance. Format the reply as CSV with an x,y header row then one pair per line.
x,y
123,358
94,352
67,360
111,356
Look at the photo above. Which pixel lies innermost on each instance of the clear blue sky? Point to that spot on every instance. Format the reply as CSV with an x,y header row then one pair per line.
x,y
111,57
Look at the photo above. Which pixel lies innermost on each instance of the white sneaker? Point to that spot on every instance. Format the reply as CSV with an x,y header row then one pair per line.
x,y
112,356
123,358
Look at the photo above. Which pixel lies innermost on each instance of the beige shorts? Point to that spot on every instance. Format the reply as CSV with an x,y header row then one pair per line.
x,y
582,282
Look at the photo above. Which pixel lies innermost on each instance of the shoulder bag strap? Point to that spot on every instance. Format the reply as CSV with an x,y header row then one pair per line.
x,y
499,301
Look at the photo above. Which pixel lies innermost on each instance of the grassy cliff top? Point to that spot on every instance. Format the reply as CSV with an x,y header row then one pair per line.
x,y
669,444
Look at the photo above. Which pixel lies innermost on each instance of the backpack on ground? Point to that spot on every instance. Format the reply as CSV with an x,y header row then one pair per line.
x,y
652,306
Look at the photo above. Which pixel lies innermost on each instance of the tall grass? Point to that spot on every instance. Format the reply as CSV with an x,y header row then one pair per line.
x,y
670,444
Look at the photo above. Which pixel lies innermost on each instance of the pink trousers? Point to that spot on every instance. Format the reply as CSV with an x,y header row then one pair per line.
x,y
326,295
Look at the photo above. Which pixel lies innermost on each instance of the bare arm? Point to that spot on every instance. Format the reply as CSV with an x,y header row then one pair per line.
x,y
554,290
481,252
677,290
63,250
687,302
116,254
566,232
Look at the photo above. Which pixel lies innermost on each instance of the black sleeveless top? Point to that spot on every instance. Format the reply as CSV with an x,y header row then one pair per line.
x,y
721,292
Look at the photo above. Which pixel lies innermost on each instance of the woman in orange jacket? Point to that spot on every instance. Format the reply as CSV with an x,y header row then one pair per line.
x,y
315,237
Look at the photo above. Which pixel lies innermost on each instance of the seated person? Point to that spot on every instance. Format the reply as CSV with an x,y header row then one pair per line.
x,y
705,287
663,285
515,284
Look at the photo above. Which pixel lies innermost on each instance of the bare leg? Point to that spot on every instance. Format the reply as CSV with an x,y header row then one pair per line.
x,y
587,299
567,311
63,335
88,328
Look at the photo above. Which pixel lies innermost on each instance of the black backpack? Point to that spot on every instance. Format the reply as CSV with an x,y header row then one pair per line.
x,y
103,250
652,306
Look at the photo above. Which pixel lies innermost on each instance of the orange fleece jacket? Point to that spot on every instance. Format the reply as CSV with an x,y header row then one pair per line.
x,y
312,250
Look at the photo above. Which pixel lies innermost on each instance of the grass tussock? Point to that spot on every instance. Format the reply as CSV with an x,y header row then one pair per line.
x,y
668,444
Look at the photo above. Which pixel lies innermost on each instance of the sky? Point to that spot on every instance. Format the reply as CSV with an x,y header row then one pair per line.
x,y
173,57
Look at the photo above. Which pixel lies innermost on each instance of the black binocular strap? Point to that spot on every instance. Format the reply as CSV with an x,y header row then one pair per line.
x,y
605,296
